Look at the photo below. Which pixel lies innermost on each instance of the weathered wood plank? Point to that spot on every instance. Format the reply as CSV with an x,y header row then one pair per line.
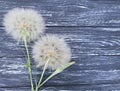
x,y
95,50
88,70
102,87
90,41
69,12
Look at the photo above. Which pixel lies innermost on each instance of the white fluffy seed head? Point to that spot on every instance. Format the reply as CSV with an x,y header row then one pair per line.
x,y
51,48
24,23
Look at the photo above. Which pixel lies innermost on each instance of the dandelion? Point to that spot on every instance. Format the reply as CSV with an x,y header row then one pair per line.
x,y
24,23
51,52
51,48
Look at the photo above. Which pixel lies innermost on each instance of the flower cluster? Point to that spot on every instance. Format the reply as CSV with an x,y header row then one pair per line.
x,y
49,51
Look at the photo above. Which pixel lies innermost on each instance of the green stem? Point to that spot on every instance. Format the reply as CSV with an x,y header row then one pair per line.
x,y
57,71
43,72
29,64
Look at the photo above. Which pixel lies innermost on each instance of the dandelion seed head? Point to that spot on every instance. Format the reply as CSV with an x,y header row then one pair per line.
x,y
52,48
24,23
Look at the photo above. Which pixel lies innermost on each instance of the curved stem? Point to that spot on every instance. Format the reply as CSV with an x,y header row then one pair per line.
x,y
57,71
29,64
43,72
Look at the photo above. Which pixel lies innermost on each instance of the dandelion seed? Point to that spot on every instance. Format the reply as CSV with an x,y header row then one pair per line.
x,y
51,48
24,23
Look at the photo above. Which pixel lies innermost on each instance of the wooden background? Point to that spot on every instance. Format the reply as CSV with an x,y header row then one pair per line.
x,y
91,27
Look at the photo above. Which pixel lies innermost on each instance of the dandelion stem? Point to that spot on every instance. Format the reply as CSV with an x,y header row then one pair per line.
x,y
57,71
43,72
29,64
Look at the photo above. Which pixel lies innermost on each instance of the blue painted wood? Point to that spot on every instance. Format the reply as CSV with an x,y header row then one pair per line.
x,y
95,50
87,70
88,40
103,87
70,12
91,27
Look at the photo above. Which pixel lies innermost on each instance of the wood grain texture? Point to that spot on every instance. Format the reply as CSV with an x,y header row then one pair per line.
x,y
95,50
90,27
103,87
89,40
69,12
93,70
